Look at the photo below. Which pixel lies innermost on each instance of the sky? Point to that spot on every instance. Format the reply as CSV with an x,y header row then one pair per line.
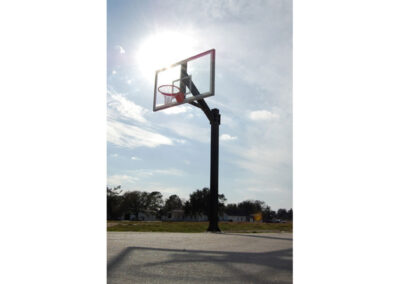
x,y
169,150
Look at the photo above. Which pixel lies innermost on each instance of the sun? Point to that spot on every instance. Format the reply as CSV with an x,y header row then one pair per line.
x,y
163,49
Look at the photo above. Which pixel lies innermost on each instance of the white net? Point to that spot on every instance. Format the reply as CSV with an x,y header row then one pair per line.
x,y
168,99
169,92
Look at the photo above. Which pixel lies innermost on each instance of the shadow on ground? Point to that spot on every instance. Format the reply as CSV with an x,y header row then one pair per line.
x,y
259,236
160,265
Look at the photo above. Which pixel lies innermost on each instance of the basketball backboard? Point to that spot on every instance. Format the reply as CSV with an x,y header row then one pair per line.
x,y
185,81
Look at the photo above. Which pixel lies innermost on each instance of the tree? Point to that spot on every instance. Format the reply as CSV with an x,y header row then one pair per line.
x,y
154,201
199,203
249,207
232,209
114,201
267,214
134,202
290,214
172,203
282,214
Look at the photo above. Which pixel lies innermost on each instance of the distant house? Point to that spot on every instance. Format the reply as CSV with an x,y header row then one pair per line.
x,y
174,215
250,219
179,215
233,218
196,218
146,215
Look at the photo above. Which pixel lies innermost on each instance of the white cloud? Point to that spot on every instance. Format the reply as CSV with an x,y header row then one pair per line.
x,y
189,131
165,189
114,72
264,168
225,9
259,160
119,106
145,173
175,110
130,136
227,137
141,174
122,179
120,49
264,155
135,158
262,115
262,39
127,135
180,141
229,121
134,179
170,172
255,189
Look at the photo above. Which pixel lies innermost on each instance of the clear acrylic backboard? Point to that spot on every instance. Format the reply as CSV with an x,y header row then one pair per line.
x,y
185,81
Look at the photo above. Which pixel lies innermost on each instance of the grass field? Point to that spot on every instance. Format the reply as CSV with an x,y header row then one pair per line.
x,y
196,227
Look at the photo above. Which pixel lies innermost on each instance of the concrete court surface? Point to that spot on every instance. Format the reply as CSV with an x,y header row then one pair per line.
x,y
134,257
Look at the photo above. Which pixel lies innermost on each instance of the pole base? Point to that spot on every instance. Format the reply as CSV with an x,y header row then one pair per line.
x,y
213,229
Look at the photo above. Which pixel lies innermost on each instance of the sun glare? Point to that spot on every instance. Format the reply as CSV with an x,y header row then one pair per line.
x,y
163,49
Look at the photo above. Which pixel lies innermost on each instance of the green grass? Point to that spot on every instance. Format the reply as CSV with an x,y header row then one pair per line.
x,y
196,227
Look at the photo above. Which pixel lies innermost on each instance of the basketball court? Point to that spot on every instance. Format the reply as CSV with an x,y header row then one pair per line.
x,y
199,258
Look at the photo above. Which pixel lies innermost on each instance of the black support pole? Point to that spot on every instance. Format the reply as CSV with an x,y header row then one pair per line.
x,y
215,122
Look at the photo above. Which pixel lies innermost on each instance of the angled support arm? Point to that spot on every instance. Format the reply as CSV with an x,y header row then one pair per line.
x,y
200,103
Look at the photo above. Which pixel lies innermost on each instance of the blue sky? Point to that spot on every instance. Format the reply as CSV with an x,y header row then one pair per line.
x,y
168,150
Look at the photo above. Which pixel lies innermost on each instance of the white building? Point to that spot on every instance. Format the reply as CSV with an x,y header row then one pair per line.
x,y
197,218
233,218
146,215
174,215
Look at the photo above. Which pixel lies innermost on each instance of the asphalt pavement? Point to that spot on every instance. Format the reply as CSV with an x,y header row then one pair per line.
x,y
134,257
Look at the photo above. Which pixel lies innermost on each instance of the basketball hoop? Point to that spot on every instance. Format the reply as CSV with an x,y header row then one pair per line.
x,y
171,91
